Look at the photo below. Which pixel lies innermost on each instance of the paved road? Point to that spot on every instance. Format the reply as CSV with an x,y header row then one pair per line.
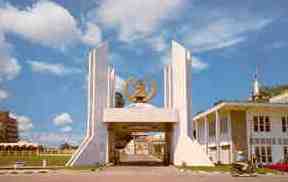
x,y
139,158
135,174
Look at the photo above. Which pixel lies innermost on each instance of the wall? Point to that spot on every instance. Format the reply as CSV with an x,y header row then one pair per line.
x,y
275,133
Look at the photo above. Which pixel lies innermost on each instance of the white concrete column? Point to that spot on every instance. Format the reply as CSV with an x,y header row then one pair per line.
x,y
111,87
217,129
165,70
168,88
185,150
93,148
206,133
181,68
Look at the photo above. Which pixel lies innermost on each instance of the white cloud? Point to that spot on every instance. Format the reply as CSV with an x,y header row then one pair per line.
x,y
93,35
24,123
66,129
157,43
9,66
221,33
46,23
62,119
3,94
137,18
198,65
56,69
53,138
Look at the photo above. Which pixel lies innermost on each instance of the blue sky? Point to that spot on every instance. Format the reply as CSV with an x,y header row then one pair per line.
x,y
44,47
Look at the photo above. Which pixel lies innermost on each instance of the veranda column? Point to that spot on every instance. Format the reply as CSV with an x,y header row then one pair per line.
x,y
217,129
206,133
230,137
197,136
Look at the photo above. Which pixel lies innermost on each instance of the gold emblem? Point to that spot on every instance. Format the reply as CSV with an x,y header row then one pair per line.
x,y
140,94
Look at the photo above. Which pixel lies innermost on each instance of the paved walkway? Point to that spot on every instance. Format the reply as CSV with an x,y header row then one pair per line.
x,y
139,157
140,160
132,174
139,170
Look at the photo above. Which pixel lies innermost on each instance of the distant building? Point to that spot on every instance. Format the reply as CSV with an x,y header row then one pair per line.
x,y
257,127
8,128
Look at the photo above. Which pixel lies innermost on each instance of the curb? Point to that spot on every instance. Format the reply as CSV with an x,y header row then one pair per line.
x,y
16,172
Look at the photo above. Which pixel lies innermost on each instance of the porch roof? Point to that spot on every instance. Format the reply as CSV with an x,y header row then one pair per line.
x,y
243,105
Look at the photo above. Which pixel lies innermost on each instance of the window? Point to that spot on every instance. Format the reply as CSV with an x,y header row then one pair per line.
x,y
263,154
255,123
262,141
269,154
261,124
284,124
267,124
285,152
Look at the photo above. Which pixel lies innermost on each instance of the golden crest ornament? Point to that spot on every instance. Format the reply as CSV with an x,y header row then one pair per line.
x,y
141,94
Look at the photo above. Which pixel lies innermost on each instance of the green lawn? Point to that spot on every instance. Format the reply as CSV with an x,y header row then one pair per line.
x,y
219,168
86,168
34,160
224,168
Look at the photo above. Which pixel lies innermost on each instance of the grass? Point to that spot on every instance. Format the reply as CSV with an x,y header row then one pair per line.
x,y
224,168
34,160
266,170
85,168
218,168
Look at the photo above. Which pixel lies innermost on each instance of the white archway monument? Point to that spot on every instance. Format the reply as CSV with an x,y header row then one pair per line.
x,y
177,110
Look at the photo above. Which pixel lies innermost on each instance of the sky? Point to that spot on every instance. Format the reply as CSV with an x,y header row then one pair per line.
x,y
44,46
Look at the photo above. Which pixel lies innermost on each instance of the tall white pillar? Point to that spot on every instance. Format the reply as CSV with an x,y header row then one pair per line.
x,y
168,91
181,78
185,150
111,87
93,148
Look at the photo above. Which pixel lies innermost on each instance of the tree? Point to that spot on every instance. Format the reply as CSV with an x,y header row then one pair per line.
x,y
274,90
65,146
119,100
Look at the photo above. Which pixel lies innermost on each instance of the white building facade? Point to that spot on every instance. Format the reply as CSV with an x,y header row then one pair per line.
x,y
259,129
